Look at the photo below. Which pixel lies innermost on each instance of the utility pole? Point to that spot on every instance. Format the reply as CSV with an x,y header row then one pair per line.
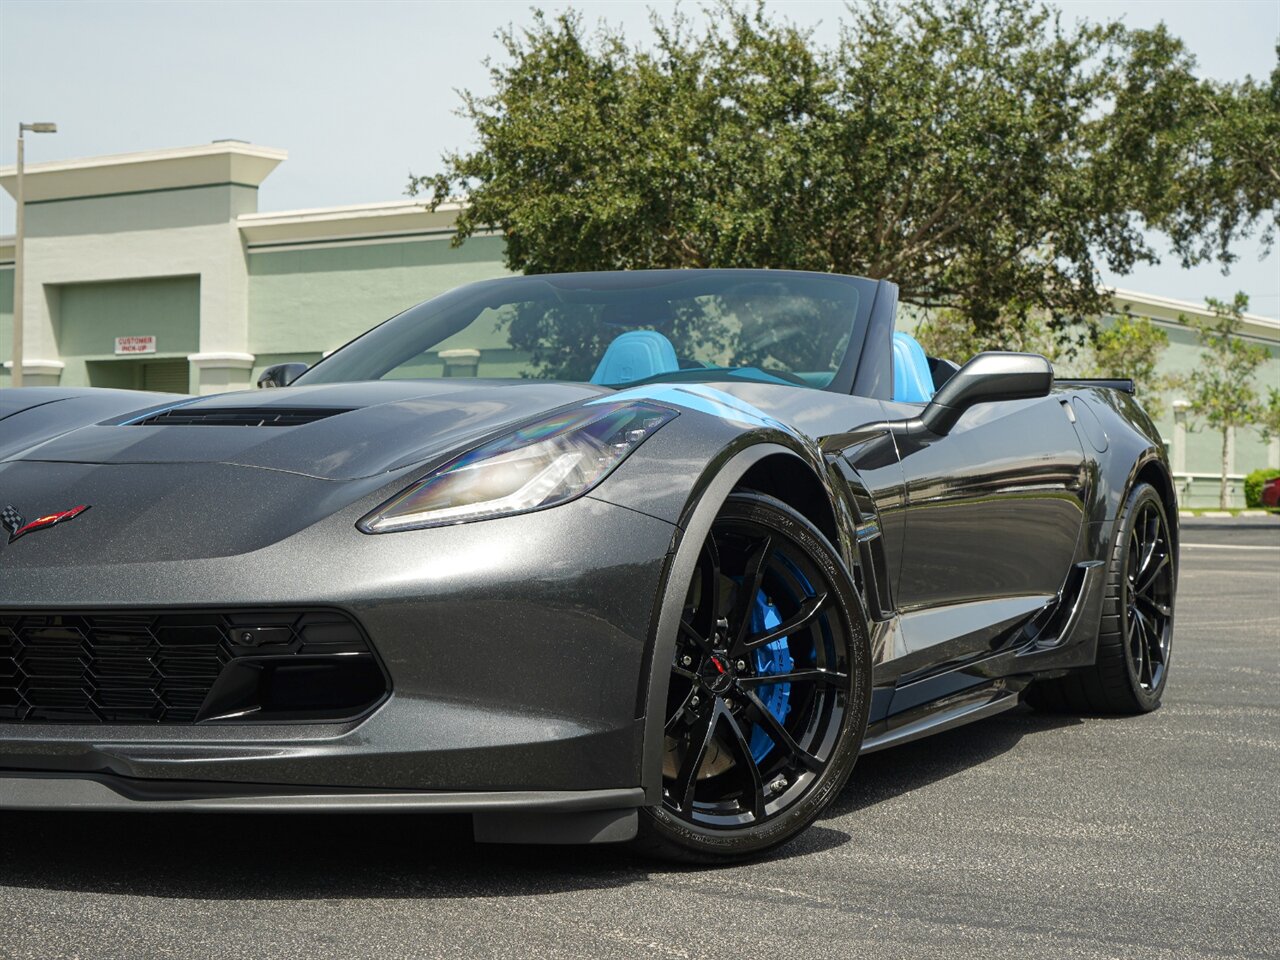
x,y
19,237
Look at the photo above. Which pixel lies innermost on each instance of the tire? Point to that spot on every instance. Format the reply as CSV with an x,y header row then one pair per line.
x,y
1135,624
749,762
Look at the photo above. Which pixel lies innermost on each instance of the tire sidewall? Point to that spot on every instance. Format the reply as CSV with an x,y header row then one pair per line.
x,y
735,843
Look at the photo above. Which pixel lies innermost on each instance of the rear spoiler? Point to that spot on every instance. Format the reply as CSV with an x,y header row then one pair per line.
x,y
1124,386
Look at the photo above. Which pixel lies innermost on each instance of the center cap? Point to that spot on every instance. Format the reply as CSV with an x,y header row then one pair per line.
x,y
717,673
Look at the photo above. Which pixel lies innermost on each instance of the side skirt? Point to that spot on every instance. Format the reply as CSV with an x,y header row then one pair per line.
x,y
975,707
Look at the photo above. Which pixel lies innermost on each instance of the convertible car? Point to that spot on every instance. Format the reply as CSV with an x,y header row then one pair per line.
x,y
636,556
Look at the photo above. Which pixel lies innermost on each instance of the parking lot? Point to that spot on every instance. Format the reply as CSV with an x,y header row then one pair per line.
x,y
1019,836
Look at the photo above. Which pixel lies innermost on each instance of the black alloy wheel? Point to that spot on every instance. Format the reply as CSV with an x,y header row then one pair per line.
x,y
770,681
1135,635
1149,591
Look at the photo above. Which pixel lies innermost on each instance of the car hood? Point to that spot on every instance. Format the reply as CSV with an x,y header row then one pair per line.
x,y
332,431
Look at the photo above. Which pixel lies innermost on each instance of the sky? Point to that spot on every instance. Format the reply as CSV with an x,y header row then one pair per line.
x,y
361,93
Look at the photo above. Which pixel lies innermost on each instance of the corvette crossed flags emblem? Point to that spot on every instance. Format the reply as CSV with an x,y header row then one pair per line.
x,y
17,526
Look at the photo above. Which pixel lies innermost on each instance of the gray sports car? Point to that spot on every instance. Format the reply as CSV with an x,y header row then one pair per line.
x,y
647,556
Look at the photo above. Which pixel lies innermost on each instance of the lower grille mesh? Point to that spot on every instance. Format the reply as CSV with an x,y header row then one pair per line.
x,y
150,667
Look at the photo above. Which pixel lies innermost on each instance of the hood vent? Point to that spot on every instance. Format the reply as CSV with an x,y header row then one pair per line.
x,y
194,416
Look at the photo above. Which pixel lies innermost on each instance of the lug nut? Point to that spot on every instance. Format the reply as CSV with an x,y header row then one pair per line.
x,y
741,664
694,701
728,703
686,660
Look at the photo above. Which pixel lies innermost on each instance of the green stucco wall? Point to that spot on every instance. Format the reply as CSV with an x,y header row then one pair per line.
x,y
305,302
1204,446
91,315
148,210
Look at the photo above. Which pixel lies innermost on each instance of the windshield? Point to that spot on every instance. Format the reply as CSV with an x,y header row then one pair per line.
x,y
619,329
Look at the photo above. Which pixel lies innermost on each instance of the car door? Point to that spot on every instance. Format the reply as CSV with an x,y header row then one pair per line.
x,y
993,512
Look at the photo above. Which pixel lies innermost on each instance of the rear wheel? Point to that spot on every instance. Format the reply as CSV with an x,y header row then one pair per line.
x,y
1136,635
767,702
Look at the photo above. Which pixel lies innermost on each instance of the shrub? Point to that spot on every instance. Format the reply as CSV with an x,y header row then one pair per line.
x,y
1253,485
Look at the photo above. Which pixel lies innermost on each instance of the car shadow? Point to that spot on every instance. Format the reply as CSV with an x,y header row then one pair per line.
x,y
404,856
890,773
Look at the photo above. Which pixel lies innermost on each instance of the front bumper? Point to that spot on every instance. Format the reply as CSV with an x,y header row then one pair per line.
x,y
516,650
511,816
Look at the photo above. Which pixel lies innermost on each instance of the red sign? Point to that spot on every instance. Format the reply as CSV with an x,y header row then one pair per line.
x,y
135,345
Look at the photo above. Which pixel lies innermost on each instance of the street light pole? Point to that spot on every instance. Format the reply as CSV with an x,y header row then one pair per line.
x,y
19,236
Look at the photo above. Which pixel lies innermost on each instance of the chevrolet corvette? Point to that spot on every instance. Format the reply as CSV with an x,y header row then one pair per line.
x,y
643,556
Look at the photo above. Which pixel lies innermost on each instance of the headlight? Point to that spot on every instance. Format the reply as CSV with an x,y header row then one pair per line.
x,y
541,465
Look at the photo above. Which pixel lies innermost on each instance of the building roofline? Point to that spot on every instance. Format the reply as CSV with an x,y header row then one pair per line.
x,y
343,224
209,164
214,148
349,211
1183,306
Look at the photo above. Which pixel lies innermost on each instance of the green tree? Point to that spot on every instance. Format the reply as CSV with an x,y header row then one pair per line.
x,y
980,153
1130,348
949,333
1210,152
1268,421
1221,389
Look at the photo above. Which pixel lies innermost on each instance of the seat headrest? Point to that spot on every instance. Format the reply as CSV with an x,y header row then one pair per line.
x,y
912,381
636,355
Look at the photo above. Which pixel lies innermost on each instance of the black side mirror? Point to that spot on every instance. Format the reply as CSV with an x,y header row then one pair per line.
x,y
986,378
281,374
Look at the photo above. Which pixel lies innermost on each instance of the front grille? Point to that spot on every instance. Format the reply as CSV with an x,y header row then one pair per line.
x,y
184,667
238,416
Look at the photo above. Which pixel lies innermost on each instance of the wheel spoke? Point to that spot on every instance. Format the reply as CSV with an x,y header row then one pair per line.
x,y
776,732
1154,606
808,611
1155,646
1146,551
1143,651
1143,658
702,642
831,677
1153,630
700,735
748,761
752,580
674,723
1136,640
1148,573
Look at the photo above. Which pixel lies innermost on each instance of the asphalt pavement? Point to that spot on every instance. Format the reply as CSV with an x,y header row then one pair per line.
x,y
1019,836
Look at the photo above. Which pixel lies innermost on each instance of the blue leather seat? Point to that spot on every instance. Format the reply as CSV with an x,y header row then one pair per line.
x,y
912,381
635,355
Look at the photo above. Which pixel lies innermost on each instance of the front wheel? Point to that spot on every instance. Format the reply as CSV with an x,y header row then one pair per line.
x,y
769,690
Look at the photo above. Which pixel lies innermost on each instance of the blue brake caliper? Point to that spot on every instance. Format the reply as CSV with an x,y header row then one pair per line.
x,y
772,658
